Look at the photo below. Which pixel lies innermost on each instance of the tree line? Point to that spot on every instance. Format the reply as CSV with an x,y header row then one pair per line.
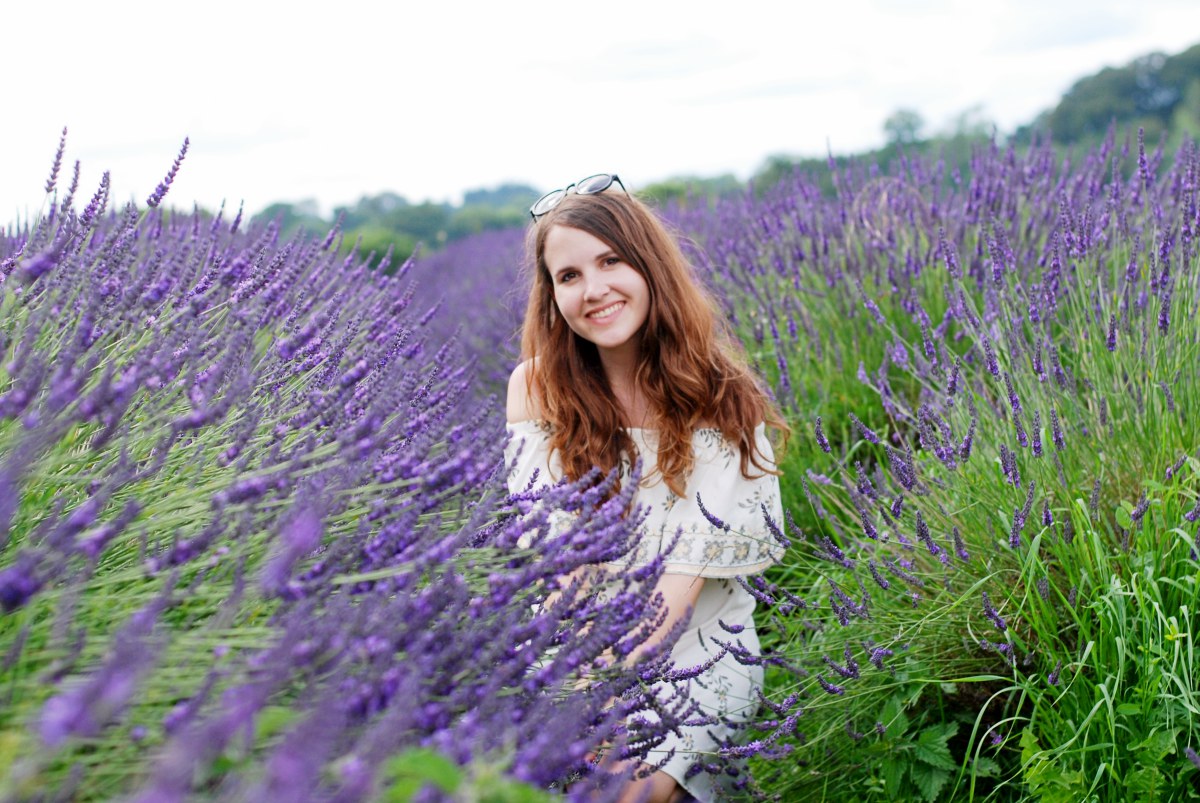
x,y
1156,92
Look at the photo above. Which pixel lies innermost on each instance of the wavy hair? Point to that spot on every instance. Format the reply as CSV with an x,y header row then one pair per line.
x,y
691,369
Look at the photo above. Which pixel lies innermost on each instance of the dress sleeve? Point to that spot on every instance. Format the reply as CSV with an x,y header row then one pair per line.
x,y
532,467
745,545
528,452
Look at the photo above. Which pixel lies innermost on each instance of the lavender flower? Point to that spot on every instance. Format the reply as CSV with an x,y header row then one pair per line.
x,y
830,687
1008,465
1164,311
1056,431
1012,394
869,526
849,669
964,449
160,192
990,359
822,441
58,156
862,482
960,548
990,612
924,536
877,656
864,430
879,579
1140,510
712,519
1194,514
1169,396
946,251
1022,436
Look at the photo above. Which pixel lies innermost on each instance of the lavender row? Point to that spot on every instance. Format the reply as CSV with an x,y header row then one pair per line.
x,y
254,537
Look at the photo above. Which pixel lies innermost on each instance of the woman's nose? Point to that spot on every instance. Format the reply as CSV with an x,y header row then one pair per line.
x,y
595,288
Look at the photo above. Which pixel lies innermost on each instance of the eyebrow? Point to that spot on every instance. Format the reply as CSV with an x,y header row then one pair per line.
x,y
603,255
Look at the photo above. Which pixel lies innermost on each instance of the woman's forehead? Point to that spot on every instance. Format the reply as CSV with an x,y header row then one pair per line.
x,y
568,243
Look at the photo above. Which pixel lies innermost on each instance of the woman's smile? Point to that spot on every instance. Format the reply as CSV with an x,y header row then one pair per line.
x,y
607,312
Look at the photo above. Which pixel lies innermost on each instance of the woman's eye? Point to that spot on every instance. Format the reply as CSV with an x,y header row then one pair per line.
x,y
565,277
612,261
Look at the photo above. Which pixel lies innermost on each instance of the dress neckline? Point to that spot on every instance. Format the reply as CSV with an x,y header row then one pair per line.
x,y
540,423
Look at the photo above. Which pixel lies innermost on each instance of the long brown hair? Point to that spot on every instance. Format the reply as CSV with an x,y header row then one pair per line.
x,y
691,369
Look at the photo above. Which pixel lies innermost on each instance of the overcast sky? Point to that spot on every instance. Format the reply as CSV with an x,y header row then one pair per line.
x,y
333,100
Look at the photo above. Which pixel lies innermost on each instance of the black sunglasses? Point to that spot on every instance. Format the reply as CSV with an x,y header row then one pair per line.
x,y
591,185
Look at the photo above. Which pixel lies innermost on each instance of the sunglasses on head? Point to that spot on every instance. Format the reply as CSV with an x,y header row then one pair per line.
x,y
592,185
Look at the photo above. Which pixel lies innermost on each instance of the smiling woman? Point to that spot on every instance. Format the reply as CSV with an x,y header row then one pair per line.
x,y
627,360
602,298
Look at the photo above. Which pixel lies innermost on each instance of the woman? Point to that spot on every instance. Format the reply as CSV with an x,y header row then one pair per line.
x,y
626,356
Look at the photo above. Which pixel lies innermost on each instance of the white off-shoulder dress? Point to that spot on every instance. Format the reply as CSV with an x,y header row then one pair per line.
x,y
728,689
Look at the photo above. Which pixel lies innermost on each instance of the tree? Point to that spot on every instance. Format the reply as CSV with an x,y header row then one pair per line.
x,y
903,127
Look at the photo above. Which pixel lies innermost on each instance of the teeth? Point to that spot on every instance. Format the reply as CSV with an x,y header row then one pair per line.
x,y
600,313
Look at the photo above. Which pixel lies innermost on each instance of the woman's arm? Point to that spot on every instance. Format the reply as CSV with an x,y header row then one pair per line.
x,y
680,592
521,405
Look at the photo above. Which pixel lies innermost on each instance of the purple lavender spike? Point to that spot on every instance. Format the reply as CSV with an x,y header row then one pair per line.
x,y
947,253
1164,312
864,430
960,548
830,687
1169,396
1194,514
990,359
990,612
1139,511
822,441
161,190
57,165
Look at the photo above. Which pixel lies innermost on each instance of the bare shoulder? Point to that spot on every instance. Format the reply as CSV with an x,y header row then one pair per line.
x,y
523,404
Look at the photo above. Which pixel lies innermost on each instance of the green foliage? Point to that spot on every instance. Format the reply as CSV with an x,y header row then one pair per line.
x,y
1153,92
687,189
377,239
919,758
390,220
412,771
903,127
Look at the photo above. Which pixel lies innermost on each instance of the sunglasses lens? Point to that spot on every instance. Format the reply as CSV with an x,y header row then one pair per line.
x,y
594,184
547,202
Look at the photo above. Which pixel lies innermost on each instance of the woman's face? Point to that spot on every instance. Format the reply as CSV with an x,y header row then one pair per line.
x,y
602,298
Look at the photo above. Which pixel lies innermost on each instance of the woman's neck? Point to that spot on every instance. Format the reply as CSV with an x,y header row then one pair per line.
x,y
631,401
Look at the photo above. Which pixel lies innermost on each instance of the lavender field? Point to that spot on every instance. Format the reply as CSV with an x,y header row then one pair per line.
x,y
256,543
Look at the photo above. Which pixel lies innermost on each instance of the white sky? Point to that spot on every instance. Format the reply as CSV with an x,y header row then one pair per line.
x,y
333,100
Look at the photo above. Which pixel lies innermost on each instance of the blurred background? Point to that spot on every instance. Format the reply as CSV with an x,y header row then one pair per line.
x,y
424,123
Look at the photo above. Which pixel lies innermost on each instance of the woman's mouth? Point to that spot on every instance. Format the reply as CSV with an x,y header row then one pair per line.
x,y
606,312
